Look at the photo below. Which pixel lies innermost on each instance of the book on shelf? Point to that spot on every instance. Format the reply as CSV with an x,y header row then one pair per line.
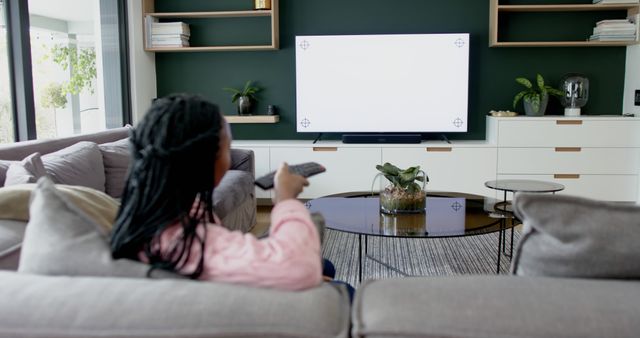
x,y
630,30
170,28
614,22
612,37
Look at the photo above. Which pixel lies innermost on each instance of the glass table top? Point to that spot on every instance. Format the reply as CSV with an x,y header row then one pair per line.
x,y
446,215
524,186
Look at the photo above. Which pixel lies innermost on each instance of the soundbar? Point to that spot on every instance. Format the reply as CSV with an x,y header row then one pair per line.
x,y
381,138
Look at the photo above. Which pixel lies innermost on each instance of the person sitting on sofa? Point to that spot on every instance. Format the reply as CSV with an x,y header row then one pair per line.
x,y
180,153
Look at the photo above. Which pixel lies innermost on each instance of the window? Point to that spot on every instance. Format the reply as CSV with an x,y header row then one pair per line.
x,y
74,72
6,126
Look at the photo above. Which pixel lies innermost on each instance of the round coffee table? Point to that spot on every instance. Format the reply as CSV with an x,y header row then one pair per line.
x,y
447,215
515,186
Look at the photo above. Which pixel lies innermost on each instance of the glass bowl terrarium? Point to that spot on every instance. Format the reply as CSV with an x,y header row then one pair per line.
x,y
401,191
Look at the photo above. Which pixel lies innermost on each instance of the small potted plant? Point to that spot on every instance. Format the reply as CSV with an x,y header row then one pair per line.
x,y
244,97
402,193
535,98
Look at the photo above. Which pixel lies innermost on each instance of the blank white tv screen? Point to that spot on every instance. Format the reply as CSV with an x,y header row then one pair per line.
x,y
382,83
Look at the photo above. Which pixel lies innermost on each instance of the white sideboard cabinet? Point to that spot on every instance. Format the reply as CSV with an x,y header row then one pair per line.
x,y
593,156
461,166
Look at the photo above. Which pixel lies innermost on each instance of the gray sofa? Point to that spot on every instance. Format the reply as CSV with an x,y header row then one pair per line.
x,y
234,198
67,284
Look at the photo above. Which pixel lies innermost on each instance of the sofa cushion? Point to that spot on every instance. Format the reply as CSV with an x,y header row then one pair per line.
x,y
90,307
577,237
26,171
61,239
11,234
14,203
235,187
78,164
496,306
116,157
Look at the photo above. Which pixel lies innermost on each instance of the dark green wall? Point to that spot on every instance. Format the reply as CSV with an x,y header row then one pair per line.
x,y
492,70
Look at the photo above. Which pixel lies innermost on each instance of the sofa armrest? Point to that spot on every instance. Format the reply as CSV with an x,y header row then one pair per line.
x,y
243,159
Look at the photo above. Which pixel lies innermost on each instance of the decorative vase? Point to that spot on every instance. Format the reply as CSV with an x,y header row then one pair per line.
x,y
262,4
530,105
575,88
244,105
403,224
396,200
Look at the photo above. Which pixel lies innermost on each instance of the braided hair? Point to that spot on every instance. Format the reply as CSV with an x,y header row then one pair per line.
x,y
174,150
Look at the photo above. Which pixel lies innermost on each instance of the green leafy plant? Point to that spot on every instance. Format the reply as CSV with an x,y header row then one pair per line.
x,y
403,179
53,96
82,64
404,194
534,94
248,91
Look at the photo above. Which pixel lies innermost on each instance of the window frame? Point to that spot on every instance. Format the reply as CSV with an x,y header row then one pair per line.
x,y
20,67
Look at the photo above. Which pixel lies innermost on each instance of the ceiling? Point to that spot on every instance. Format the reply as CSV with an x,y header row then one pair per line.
x,y
66,10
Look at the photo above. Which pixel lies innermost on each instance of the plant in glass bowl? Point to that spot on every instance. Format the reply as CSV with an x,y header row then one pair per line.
x,y
245,97
535,98
402,193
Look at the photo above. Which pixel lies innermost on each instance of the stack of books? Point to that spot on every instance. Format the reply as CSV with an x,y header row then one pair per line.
x,y
615,30
615,2
170,34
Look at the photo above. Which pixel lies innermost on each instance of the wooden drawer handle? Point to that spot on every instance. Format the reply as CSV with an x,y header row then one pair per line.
x,y
439,149
566,176
568,149
325,148
574,122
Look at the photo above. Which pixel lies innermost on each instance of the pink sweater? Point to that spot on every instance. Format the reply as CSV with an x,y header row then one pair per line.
x,y
288,259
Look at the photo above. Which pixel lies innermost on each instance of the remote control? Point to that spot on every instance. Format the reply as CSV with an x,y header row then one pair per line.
x,y
304,169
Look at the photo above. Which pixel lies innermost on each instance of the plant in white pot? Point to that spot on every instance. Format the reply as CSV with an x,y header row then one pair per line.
x,y
535,98
245,97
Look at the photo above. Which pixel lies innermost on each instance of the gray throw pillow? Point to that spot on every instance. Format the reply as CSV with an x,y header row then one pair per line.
x,y
566,236
61,239
4,166
78,164
116,157
26,171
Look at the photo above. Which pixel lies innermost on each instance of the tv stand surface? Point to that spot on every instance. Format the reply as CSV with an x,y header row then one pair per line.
x,y
381,138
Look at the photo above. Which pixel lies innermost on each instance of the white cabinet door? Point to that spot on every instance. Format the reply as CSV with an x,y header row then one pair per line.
x,y
456,169
348,169
600,187
262,165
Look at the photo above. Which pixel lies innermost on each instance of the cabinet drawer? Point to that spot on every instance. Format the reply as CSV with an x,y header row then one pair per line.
x,y
618,161
449,168
569,133
601,187
348,169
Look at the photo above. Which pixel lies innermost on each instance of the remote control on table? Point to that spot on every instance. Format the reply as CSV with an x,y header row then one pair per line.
x,y
303,169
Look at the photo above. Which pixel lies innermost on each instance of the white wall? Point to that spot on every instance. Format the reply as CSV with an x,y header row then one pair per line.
x,y
142,65
631,80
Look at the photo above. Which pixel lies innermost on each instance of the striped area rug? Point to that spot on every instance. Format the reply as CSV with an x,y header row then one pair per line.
x,y
415,257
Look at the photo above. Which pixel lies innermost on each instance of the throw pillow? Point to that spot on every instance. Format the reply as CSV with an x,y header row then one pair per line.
x,y
568,236
78,164
26,171
61,239
116,157
14,203
4,166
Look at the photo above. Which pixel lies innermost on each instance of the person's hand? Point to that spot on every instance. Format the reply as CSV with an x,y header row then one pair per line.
x,y
287,185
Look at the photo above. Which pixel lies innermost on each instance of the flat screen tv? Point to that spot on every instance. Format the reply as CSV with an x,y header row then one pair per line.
x,y
392,83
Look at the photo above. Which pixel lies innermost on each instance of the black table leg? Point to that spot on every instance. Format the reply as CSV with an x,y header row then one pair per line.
x,y
359,258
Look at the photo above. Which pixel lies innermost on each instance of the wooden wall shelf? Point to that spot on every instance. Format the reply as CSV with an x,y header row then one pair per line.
x,y
149,13
252,118
496,10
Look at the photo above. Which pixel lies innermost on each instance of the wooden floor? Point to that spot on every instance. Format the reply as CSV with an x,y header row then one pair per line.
x,y
263,219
